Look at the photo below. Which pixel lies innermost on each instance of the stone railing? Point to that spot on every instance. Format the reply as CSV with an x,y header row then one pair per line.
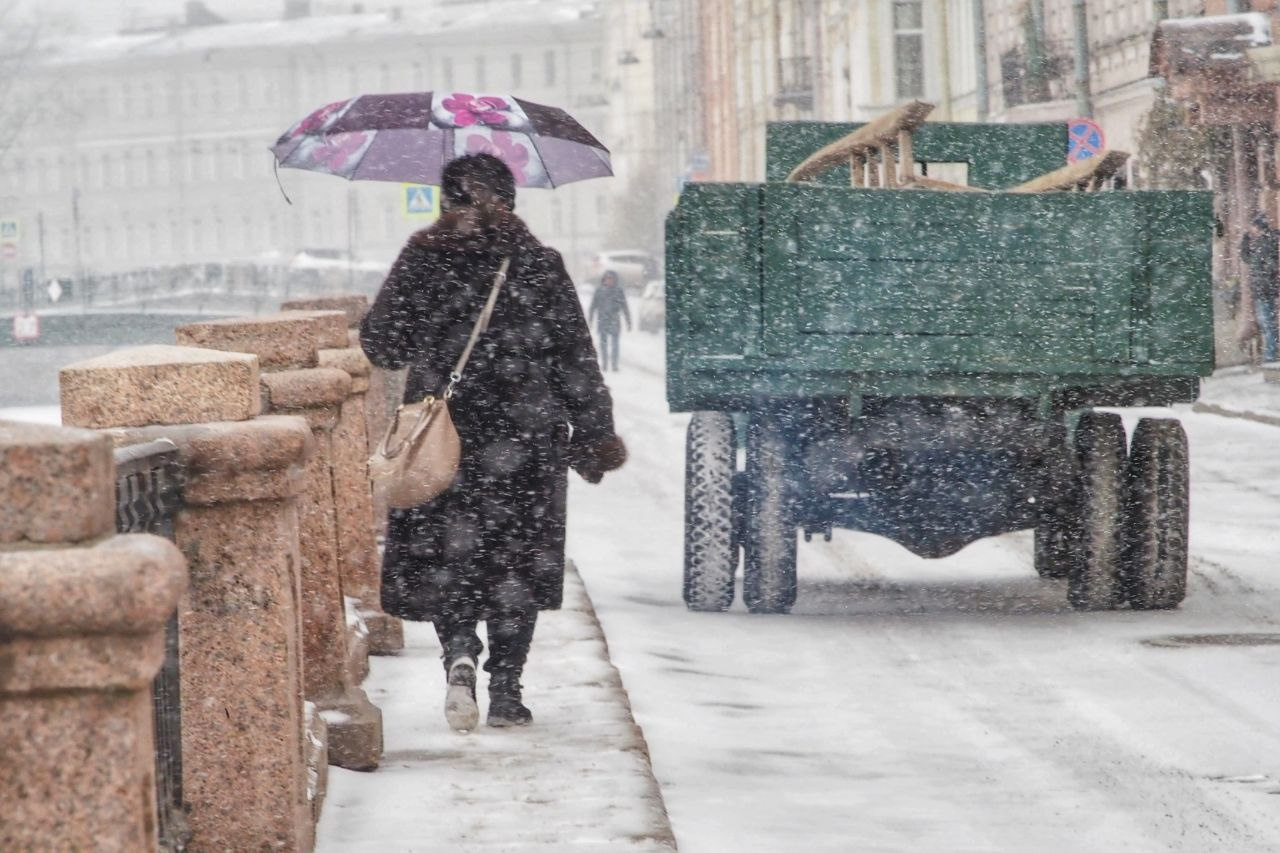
x,y
82,636
148,495
268,419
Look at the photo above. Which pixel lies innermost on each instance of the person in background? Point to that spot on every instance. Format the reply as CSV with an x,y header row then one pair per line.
x,y
531,404
609,305
1259,250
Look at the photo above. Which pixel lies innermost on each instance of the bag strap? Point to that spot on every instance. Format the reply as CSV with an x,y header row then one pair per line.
x,y
482,325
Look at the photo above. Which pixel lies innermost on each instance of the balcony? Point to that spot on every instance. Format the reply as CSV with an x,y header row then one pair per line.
x,y
795,82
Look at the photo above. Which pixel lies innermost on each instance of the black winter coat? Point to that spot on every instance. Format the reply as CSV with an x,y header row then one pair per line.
x,y
609,303
1260,252
494,542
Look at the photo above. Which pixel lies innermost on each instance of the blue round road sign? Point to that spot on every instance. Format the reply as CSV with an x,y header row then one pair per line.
x,y
1084,139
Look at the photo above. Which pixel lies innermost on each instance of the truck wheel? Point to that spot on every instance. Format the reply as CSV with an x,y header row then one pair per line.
x,y
1157,515
1094,581
1055,548
769,560
710,549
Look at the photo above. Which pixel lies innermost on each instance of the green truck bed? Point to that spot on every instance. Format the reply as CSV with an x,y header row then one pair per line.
x,y
807,290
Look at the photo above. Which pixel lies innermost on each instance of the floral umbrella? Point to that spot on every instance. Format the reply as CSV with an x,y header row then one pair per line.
x,y
409,137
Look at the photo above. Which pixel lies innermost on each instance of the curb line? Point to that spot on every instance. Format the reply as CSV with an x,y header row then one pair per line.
x,y
660,831
1220,411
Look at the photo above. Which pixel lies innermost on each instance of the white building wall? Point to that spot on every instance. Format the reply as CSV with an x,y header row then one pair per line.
x,y
163,151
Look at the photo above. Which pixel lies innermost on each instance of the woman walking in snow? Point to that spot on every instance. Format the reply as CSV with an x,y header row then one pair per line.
x,y
531,404
609,303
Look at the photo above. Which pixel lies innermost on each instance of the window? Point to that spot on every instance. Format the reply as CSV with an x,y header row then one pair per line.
x,y
481,83
446,72
517,71
194,156
908,49
549,68
597,64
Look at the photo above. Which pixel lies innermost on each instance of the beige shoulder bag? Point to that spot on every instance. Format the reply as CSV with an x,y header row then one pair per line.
x,y
419,454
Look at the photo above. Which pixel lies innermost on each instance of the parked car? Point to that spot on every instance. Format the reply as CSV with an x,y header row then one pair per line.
x,y
651,313
633,267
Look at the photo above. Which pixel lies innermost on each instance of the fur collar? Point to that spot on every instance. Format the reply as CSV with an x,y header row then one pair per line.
x,y
501,231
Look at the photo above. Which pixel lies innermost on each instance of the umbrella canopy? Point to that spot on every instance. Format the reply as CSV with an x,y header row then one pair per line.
x,y
409,137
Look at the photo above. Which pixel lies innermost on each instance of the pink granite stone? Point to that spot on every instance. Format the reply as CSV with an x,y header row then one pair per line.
x,y
280,341
331,327
245,775
359,562
314,388
355,735
56,485
81,639
159,385
355,306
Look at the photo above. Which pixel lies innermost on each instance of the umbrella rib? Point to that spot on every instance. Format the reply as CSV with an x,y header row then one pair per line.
x,y
533,141
296,145
367,149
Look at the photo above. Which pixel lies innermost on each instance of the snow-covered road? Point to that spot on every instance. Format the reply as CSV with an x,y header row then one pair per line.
x,y
955,704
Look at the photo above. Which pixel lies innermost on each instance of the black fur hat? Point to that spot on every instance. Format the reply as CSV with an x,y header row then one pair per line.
x,y
478,168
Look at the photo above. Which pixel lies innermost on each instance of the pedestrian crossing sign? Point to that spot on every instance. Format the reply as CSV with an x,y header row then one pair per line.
x,y
421,201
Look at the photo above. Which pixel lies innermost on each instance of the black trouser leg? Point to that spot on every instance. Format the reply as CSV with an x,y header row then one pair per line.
x,y
458,638
510,635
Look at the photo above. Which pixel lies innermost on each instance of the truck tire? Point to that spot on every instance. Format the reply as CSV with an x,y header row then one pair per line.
x,y
1094,582
1054,546
1157,515
769,558
710,549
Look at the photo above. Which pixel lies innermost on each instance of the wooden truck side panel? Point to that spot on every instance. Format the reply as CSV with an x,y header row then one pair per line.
x,y
795,290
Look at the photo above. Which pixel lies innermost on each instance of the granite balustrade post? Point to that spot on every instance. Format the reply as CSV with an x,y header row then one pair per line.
x,y
358,556
82,616
334,657
386,387
250,765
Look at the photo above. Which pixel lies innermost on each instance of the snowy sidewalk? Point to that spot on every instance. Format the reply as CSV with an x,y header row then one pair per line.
x,y
578,780
1237,392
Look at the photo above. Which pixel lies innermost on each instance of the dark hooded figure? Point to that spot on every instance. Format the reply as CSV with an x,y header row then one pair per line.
x,y
1260,250
608,304
531,403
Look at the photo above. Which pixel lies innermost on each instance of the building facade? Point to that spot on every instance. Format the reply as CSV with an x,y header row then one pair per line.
x,y
1031,62
150,148
827,60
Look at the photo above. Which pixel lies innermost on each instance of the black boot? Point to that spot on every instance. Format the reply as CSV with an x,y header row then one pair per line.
x,y
505,707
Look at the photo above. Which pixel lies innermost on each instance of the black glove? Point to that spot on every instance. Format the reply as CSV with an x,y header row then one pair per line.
x,y
591,459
